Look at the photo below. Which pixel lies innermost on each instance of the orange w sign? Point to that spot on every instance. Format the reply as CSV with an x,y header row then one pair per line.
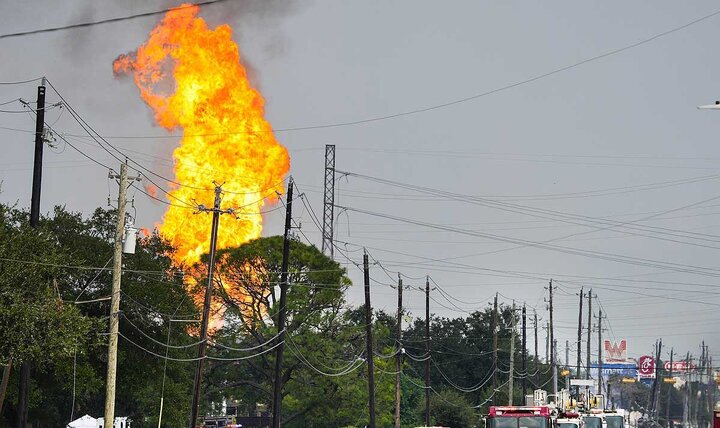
x,y
615,352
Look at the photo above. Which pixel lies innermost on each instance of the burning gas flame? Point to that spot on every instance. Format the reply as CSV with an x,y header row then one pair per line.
x,y
192,78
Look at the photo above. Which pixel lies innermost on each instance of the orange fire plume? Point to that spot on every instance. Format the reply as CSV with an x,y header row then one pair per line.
x,y
225,136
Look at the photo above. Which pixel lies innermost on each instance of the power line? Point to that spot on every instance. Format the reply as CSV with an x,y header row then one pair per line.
x,y
638,261
403,113
102,142
555,215
20,82
102,21
91,132
157,341
542,276
208,357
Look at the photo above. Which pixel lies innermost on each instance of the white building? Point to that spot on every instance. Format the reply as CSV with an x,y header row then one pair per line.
x,y
88,421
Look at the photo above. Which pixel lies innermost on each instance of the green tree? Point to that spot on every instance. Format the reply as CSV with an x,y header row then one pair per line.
x,y
36,325
316,335
71,251
461,356
451,409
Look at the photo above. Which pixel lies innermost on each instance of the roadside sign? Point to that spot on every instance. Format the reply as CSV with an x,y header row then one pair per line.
x,y
646,367
669,380
582,382
628,380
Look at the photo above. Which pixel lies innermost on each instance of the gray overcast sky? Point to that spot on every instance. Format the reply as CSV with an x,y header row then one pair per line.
x,y
616,123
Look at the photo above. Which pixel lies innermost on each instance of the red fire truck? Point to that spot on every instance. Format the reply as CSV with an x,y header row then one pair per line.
x,y
521,417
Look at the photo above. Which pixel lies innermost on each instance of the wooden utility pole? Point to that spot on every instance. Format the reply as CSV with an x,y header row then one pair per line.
x,y
669,394
567,365
651,399
495,347
656,395
587,350
512,357
524,352
686,396
600,376
398,356
537,356
553,357
369,343
706,379
38,158
427,351
115,299
700,399
202,347
546,327
711,384
282,312
579,338
25,367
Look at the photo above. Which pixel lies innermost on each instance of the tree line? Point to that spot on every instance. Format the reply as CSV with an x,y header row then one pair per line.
x,y
54,285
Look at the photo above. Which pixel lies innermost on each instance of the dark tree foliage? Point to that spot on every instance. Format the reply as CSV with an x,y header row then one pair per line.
x,y
54,285
461,357
66,340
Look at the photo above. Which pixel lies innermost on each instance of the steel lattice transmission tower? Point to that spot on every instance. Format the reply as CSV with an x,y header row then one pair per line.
x,y
329,201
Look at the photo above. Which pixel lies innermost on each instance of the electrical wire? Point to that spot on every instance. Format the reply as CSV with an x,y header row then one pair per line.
x,y
230,348
191,345
78,150
207,357
467,389
93,280
558,216
354,365
20,82
414,111
102,142
155,311
638,261
100,22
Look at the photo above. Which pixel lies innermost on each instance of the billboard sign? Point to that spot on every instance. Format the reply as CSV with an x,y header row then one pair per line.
x,y
615,352
646,367
622,369
680,366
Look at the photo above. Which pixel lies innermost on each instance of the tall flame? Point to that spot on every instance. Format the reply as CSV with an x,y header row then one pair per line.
x,y
225,136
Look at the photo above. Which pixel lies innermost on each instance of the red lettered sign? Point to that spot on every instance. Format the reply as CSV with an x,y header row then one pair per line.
x,y
680,366
646,366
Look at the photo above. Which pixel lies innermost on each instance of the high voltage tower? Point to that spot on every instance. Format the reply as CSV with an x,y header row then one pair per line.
x,y
329,201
